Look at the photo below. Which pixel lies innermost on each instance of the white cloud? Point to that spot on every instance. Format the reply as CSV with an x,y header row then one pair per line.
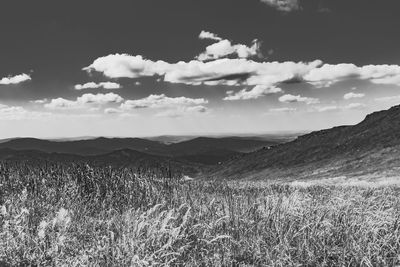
x,y
99,98
256,92
124,65
84,101
241,71
353,95
61,103
15,79
162,101
221,71
39,101
283,5
92,85
282,110
328,74
225,48
19,113
209,35
288,98
327,108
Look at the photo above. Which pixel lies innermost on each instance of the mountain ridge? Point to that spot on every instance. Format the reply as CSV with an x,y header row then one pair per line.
x,y
331,151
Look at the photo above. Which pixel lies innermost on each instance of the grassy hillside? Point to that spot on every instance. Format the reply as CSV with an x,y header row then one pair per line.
x,y
368,147
78,215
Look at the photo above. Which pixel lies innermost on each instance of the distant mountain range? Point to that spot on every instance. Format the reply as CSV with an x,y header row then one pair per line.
x,y
370,148
191,155
366,150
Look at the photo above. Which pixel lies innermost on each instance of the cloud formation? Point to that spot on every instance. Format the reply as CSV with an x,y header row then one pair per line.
x,y
93,85
216,66
353,95
162,101
19,113
86,100
256,92
289,98
328,74
283,5
225,48
15,79
221,71
209,36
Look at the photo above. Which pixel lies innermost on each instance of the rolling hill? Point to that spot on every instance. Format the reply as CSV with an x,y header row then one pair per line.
x,y
205,150
370,148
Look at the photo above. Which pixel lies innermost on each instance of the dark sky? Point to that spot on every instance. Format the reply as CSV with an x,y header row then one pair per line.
x,y
52,41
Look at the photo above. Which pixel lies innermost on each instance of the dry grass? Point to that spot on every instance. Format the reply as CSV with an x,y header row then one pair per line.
x,y
56,215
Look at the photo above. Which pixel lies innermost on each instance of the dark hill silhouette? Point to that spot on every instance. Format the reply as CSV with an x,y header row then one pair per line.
x,y
372,146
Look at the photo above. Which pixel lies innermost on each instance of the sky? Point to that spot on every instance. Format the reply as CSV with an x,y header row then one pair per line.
x,y
154,67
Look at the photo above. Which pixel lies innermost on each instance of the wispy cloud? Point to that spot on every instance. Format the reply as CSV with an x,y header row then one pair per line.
x,y
353,95
162,101
256,92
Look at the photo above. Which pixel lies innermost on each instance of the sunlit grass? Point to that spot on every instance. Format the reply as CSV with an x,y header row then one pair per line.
x,y
75,215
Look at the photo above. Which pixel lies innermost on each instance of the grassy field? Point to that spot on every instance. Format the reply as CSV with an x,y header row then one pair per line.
x,y
76,215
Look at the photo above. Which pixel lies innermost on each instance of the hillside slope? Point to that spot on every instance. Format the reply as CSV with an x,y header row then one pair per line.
x,y
368,148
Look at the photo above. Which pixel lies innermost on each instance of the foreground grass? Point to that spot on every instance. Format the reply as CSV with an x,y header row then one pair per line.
x,y
54,215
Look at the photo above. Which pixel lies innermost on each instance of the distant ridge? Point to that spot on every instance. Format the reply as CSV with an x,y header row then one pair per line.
x,y
203,150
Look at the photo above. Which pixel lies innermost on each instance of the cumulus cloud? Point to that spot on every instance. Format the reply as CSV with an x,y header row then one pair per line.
x,y
225,48
15,79
283,5
256,92
215,66
99,98
162,101
127,66
209,35
328,74
353,95
221,71
288,98
93,85
84,101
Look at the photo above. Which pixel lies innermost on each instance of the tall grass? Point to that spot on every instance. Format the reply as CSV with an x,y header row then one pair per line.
x,y
77,215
